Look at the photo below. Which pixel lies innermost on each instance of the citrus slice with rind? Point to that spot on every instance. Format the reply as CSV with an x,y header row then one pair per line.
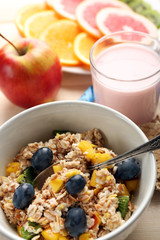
x,y
82,46
49,4
38,22
25,12
65,8
87,10
60,36
111,20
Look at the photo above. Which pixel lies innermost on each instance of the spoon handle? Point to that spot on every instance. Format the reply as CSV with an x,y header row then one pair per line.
x,y
151,145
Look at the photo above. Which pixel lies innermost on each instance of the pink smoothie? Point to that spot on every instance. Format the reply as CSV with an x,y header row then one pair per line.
x,y
128,63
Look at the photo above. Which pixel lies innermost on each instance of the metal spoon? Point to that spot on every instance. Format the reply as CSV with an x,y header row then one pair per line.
x,y
151,145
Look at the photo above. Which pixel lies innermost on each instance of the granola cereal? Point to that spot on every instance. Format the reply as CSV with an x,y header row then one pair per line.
x,y
46,214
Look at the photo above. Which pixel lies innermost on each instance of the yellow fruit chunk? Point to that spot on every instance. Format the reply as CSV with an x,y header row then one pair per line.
x,y
85,145
25,12
57,168
72,173
132,185
60,36
19,230
88,149
100,157
49,235
82,47
64,232
93,179
125,190
62,238
97,190
12,167
84,236
98,218
38,22
56,184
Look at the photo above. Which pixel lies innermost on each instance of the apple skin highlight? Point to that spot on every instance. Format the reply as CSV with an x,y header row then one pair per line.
x,y
32,78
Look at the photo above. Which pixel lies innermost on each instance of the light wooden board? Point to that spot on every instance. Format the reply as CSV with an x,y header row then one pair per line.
x,y
73,85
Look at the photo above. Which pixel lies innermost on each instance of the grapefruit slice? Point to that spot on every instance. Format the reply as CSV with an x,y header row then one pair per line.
x,y
65,8
111,20
87,10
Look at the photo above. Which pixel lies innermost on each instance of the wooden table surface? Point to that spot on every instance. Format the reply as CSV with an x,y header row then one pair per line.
x,y
73,85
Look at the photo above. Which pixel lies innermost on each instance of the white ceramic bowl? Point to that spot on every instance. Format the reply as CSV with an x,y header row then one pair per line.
x,y
37,124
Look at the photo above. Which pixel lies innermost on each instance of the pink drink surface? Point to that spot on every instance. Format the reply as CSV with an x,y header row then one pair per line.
x,y
137,99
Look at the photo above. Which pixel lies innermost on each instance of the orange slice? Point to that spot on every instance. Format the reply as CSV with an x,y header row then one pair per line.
x,y
87,10
24,13
49,4
38,22
111,20
66,8
82,46
60,36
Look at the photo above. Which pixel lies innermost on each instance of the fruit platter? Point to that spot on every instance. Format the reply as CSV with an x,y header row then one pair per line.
x,y
68,28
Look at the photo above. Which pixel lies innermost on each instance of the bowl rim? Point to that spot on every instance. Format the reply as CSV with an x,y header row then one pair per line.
x,y
150,191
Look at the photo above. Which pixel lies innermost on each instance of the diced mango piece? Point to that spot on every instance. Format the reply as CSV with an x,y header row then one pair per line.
x,y
85,145
62,237
124,191
88,148
96,191
64,232
49,235
57,168
101,157
56,184
72,173
108,178
98,218
84,236
12,167
90,153
19,230
132,185
93,179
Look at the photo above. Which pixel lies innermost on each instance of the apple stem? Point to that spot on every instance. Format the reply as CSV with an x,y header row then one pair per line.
x,y
18,51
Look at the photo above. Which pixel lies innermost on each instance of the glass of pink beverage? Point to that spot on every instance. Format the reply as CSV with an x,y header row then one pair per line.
x,y
125,69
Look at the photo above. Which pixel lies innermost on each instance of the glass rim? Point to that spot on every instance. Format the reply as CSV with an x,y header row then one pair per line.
x,y
113,34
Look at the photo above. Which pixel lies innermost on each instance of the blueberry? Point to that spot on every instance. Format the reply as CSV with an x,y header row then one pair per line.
x,y
75,184
127,169
23,196
75,222
42,158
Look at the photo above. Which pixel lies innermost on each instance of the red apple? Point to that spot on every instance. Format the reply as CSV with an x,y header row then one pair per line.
x,y
32,76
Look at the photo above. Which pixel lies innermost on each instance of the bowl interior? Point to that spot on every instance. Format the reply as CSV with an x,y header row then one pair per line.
x,y
37,124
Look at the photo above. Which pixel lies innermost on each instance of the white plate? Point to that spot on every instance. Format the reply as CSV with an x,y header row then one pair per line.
x,y
78,70
8,28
